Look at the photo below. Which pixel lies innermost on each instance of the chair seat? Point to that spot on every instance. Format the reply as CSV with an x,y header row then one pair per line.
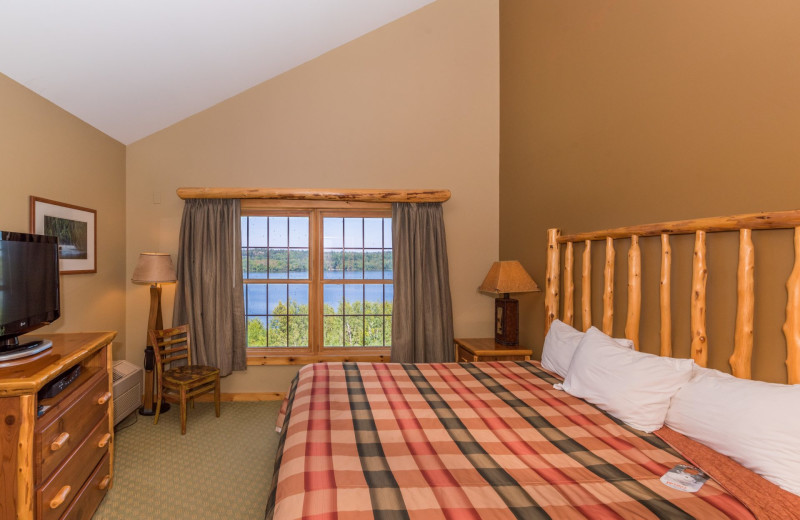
x,y
188,373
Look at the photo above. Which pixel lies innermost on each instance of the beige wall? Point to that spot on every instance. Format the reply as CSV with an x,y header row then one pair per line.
x,y
414,104
45,151
617,113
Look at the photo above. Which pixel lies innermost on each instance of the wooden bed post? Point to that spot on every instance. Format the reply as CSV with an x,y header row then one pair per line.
x,y
586,287
553,278
791,328
569,285
634,292
608,288
665,296
698,311
740,360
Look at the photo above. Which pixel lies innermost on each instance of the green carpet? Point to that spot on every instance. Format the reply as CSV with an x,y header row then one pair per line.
x,y
221,468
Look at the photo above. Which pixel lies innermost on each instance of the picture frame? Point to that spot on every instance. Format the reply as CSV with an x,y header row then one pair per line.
x,y
76,229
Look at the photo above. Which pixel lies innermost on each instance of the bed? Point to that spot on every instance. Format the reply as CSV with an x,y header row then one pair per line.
x,y
500,440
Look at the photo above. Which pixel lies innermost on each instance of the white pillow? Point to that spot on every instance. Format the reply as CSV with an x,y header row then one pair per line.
x,y
756,424
560,344
632,386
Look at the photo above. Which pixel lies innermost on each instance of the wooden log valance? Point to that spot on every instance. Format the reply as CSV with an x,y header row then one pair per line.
x,y
370,195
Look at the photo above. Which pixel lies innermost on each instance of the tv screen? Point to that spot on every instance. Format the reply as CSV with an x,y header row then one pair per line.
x,y
29,291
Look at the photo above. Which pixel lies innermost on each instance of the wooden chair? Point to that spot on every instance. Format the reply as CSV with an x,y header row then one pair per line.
x,y
181,383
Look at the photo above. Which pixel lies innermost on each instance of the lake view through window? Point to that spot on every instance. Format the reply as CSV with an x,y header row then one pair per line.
x,y
317,281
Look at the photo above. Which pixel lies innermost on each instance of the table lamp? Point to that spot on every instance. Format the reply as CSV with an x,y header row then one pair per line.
x,y
507,277
153,269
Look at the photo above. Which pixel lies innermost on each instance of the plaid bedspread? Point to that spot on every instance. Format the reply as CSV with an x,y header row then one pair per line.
x,y
483,440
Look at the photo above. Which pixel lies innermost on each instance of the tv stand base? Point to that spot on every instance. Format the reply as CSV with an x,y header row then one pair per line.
x,y
26,349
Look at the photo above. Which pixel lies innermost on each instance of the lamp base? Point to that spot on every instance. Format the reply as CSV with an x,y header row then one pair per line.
x,y
506,319
152,411
149,406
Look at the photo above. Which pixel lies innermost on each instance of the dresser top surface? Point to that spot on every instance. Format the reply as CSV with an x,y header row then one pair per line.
x,y
27,375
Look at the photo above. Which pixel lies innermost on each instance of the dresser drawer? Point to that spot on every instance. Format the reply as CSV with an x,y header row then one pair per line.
x,y
53,497
85,503
56,438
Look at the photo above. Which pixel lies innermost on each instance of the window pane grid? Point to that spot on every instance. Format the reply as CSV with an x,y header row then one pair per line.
x,y
356,282
358,315
276,309
350,252
277,314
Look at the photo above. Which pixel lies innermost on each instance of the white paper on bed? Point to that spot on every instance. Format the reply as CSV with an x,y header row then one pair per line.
x,y
757,424
560,344
634,387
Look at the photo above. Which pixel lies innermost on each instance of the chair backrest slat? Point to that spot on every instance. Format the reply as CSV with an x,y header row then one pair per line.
x,y
170,345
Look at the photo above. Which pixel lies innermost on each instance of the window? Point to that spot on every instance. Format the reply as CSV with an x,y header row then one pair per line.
x,y
317,282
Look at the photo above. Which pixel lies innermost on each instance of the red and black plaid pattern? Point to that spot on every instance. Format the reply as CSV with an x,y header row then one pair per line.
x,y
483,440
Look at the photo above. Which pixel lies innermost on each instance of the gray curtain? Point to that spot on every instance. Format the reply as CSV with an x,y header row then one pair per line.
x,y
209,294
422,315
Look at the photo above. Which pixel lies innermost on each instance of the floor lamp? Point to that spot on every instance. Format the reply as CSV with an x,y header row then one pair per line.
x,y
153,269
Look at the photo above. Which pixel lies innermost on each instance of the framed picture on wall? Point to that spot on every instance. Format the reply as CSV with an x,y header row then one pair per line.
x,y
76,229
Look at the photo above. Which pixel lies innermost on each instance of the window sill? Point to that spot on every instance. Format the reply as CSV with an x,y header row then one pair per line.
x,y
288,358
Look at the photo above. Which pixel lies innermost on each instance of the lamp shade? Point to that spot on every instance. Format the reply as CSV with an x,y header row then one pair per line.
x,y
508,277
154,268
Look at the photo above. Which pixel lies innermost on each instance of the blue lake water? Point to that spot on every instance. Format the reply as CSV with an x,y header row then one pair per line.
x,y
258,298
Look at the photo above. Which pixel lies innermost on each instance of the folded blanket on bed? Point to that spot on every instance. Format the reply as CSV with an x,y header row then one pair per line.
x,y
762,497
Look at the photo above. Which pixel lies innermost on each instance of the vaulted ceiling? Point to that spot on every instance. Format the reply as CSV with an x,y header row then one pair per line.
x,y
132,67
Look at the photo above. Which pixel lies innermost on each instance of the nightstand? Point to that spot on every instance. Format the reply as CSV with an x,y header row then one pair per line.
x,y
485,349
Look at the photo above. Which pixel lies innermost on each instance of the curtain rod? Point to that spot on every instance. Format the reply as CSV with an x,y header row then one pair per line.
x,y
313,194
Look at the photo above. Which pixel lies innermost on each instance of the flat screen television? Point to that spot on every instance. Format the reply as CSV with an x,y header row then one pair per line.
x,y
29,289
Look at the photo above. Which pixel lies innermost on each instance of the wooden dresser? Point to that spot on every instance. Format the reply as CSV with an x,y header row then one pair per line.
x,y
57,463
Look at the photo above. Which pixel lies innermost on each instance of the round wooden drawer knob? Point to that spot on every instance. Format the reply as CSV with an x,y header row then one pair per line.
x,y
60,497
104,398
104,440
59,442
104,483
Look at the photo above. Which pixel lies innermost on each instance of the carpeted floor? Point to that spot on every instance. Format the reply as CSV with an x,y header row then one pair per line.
x,y
221,468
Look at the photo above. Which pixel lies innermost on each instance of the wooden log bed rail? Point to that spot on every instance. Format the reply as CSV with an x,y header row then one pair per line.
x,y
740,360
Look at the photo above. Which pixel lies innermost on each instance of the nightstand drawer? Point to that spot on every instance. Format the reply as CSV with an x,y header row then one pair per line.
x,y
463,355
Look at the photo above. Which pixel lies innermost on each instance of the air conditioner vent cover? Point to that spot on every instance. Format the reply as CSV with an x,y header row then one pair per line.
x,y
127,381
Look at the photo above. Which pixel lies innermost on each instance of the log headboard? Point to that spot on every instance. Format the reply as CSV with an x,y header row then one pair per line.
x,y
740,360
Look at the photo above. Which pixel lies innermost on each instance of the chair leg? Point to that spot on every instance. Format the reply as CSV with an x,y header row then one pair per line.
x,y
216,396
183,411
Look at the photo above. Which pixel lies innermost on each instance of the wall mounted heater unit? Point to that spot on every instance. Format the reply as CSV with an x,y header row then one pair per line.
x,y
127,389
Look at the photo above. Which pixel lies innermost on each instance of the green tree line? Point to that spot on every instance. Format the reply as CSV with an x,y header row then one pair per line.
x,y
282,260
343,326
